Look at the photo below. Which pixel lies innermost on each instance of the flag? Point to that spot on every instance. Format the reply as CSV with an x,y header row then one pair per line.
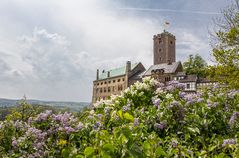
x,y
166,25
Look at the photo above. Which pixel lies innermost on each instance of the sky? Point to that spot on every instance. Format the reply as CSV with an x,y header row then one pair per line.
x,y
50,50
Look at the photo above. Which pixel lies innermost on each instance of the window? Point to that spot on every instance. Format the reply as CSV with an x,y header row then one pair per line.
x,y
113,81
109,82
123,79
108,89
167,78
100,90
97,84
188,86
97,90
171,42
118,80
160,49
101,83
160,41
120,87
105,82
113,88
160,59
104,89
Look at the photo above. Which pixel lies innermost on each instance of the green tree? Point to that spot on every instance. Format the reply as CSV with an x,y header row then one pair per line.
x,y
22,111
195,65
226,46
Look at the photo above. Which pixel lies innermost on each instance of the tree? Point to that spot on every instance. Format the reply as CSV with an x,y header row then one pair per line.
x,y
226,47
195,65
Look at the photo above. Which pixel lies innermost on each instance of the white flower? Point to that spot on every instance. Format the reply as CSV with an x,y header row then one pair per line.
x,y
145,79
141,93
169,96
159,91
92,112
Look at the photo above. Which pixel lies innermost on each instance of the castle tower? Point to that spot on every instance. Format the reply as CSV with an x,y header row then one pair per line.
x,y
164,48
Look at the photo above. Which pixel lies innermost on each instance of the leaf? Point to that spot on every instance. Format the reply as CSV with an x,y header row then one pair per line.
x,y
128,117
108,147
160,152
221,155
194,130
89,151
136,152
146,145
120,114
187,136
212,148
65,153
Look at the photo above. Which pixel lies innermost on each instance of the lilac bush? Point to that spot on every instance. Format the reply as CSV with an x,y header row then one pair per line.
x,y
149,119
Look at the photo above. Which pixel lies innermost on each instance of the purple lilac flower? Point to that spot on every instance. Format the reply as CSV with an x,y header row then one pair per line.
x,y
190,99
156,102
125,108
161,125
173,82
43,116
69,130
233,118
229,142
190,152
170,88
174,104
180,86
232,94
99,116
116,118
97,125
31,156
14,143
136,121
160,84
107,110
142,110
80,126
174,144
182,94
200,100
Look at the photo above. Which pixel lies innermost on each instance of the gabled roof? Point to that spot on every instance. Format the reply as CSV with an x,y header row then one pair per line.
x,y
115,72
189,78
168,68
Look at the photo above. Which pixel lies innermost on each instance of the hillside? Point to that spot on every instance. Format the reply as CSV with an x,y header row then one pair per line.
x,y
73,106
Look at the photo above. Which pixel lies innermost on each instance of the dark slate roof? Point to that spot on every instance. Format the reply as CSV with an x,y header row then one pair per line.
x,y
181,74
205,80
137,76
189,78
168,68
115,72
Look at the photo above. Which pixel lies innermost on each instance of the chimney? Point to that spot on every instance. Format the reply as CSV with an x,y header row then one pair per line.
x,y
169,62
128,66
108,74
97,74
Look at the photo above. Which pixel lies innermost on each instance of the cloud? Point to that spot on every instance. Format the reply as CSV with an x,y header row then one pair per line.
x,y
51,50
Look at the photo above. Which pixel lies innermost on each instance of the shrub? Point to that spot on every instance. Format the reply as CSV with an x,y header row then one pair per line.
x,y
146,120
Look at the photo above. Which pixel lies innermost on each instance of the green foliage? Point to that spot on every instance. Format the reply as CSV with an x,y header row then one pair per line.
x,y
226,47
195,65
146,120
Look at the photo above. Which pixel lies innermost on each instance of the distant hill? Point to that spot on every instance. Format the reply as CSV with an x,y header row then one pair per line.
x,y
73,106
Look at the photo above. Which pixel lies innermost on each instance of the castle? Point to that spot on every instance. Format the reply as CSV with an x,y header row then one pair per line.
x,y
165,68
